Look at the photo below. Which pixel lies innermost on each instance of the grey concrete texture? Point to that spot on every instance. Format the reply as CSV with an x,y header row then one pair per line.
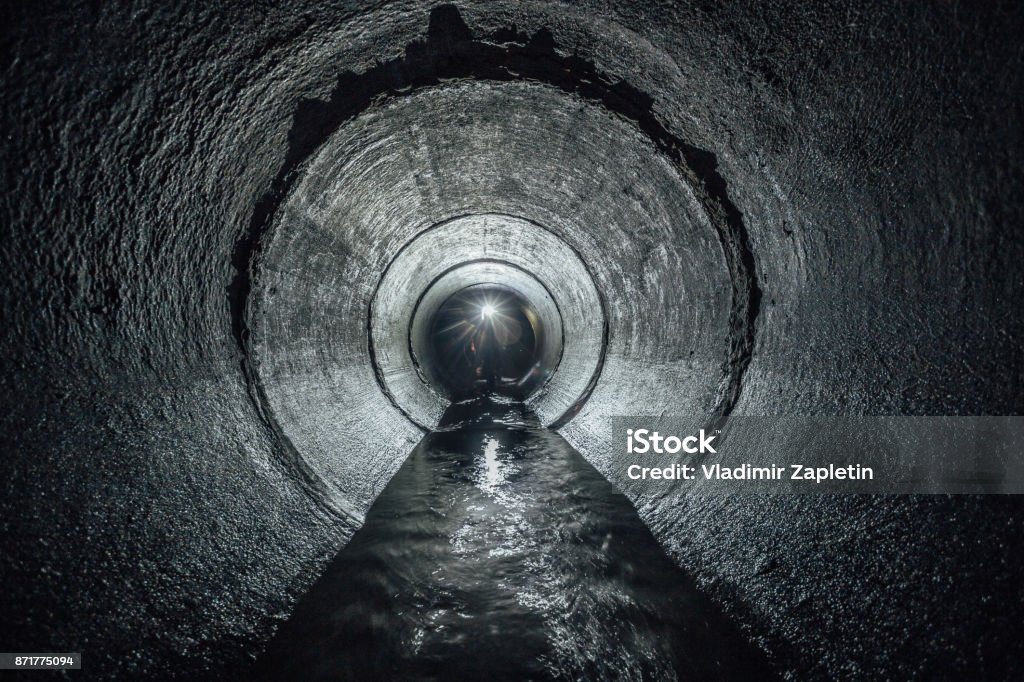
x,y
787,209
535,260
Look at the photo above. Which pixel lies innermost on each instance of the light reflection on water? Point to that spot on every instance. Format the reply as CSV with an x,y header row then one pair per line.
x,y
492,475
497,552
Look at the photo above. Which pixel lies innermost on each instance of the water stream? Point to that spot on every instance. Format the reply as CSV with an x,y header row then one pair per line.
x,y
498,553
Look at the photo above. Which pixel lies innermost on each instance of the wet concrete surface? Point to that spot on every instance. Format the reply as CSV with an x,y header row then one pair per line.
x,y
497,552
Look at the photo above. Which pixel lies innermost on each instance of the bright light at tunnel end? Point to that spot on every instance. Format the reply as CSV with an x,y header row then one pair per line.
x,y
487,311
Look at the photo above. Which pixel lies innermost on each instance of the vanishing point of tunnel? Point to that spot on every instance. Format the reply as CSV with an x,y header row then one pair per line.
x,y
317,318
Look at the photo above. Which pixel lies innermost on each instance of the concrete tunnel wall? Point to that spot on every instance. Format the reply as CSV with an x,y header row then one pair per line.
x,y
481,249
784,210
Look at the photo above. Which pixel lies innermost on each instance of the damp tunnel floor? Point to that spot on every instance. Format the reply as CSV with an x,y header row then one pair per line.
x,y
498,552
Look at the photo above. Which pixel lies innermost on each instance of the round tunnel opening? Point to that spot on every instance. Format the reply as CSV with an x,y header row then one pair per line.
x,y
487,340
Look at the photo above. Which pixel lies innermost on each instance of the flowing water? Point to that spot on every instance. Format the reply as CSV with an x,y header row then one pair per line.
x,y
498,553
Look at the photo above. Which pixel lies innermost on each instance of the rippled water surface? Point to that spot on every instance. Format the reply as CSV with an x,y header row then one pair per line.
x,y
498,553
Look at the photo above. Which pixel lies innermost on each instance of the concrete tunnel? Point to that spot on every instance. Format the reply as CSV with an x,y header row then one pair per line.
x,y
229,229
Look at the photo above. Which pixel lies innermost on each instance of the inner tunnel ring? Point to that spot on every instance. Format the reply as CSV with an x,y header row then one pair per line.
x,y
481,273
623,238
531,253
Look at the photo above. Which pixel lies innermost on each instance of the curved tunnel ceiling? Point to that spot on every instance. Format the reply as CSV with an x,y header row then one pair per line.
x,y
460,155
485,248
222,217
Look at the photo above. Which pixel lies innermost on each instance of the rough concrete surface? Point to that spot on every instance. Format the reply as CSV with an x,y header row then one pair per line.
x,y
784,209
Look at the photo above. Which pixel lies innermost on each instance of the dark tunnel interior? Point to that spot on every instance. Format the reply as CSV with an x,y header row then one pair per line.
x,y
317,315
485,340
